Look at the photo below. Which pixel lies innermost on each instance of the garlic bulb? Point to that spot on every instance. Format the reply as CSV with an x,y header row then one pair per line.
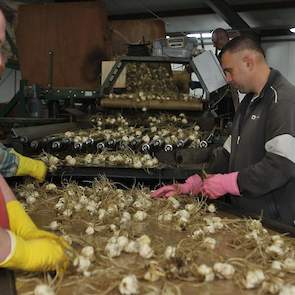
x,y
170,252
183,214
54,225
209,243
287,290
140,215
289,265
43,289
224,270
146,139
275,249
144,240
146,251
253,279
129,285
190,207
68,239
113,249
31,200
211,208
35,194
167,216
53,161
112,209
70,160
277,265
198,234
88,252
82,263
137,164
113,228
175,203
206,272
88,158
101,214
89,230
69,134
132,247
272,287
67,212
78,207
126,217
50,187
277,240
209,229
122,242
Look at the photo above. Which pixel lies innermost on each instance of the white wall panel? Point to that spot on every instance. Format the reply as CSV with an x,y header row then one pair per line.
x,y
281,56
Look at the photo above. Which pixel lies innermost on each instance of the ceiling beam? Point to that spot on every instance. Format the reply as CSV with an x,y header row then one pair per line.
x,y
232,18
203,10
262,31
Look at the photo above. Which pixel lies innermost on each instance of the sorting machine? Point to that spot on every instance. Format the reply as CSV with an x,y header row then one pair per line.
x,y
175,159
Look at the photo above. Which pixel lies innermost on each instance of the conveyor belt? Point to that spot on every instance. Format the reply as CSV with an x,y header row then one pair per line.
x,y
127,174
272,224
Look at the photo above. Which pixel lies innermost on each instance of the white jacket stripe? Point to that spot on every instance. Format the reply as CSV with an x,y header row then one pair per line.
x,y
282,145
227,144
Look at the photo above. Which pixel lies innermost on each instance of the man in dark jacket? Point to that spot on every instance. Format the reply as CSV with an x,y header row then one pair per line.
x,y
256,165
260,153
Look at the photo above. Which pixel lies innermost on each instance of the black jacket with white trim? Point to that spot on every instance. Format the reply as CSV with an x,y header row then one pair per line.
x,y
262,149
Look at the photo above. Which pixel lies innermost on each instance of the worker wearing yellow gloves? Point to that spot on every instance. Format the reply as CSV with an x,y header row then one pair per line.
x,y
22,245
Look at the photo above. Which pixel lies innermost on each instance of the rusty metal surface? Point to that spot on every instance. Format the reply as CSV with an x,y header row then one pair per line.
x,y
75,33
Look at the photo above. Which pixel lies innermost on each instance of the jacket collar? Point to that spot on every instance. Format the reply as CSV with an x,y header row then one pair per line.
x,y
274,74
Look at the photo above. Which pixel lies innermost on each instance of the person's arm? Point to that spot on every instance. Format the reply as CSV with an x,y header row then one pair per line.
x,y
278,165
219,161
15,164
8,162
27,166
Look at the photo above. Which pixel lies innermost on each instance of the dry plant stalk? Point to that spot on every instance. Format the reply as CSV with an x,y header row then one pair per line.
x,y
116,233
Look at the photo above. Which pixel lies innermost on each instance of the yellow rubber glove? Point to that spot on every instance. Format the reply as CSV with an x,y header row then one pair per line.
x,y
35,255
27,166
22,225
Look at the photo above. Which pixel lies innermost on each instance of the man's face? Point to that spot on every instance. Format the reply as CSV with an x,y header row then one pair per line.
x,y
237,71
2,41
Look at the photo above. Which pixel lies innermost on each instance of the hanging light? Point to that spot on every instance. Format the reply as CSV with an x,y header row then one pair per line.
x,y
194,35
206,35
292,30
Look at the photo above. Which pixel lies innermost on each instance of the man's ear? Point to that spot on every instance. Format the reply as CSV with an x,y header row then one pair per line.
x,y
248,60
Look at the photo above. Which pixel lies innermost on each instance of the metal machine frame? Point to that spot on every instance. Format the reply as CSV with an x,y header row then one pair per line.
x,y
123,61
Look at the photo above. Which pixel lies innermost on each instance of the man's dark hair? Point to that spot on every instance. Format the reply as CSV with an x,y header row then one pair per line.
x,y
220,31
240,43
8,12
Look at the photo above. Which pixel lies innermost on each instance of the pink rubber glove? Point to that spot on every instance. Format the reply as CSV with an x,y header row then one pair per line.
x,y
192,186
217,185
